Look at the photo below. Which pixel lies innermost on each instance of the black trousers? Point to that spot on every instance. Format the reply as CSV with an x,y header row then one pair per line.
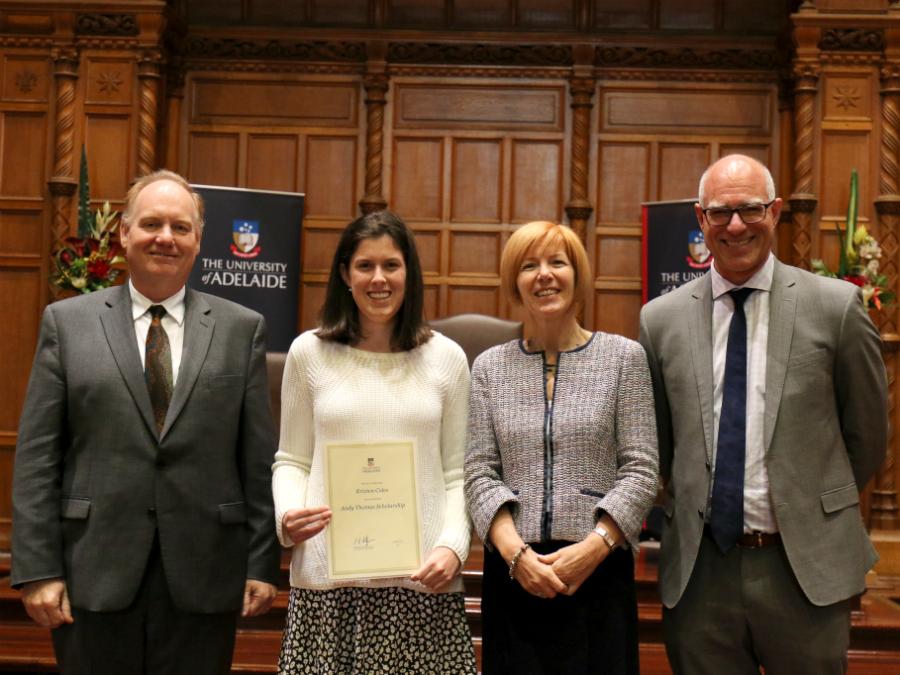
x,y
592,631
150,637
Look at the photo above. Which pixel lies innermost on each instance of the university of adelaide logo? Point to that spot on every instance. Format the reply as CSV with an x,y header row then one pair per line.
x,y
700,258
246,238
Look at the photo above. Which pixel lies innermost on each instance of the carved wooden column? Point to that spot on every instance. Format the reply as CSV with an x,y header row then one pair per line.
x,y
174,101
149,62
883,513
375,84
63,182
581,87
803,200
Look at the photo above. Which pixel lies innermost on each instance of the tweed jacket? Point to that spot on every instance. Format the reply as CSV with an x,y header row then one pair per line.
x,y
825,426
603,456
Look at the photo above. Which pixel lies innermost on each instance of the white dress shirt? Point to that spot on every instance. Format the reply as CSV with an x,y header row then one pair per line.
x,y
172,323
758,513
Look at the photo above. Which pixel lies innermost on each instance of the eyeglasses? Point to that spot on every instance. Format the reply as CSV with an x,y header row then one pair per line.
x,y
750,214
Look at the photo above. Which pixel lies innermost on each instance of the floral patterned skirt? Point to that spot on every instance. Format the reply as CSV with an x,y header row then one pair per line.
x,y
350,630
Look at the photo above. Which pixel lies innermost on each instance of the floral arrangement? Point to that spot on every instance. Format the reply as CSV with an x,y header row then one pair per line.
x,y
860,255
86,263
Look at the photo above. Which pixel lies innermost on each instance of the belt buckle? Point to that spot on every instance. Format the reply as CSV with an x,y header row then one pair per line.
x,y
758,536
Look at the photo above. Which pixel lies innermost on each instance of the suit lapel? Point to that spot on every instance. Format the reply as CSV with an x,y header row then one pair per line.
x,y
782,309
118,325
701,355
198,330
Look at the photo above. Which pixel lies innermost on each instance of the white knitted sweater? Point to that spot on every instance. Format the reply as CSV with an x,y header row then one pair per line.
x,y
333,392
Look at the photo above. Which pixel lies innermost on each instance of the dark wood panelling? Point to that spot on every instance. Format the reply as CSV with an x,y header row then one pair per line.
x,y
616,311
680,167
688,111
319,246
475,197
22,231
108,139
482,13
428,245
26,79
537,180
479,107
110,81
22,162
417,181
624,181
618,255
272,162
848,97
312,295
20,289
213,159
285,102
546,14
843,151
633,14
474,253
479,299
687,15
331,177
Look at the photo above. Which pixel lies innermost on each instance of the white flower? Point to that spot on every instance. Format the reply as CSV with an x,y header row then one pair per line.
x,y
867,292
79,282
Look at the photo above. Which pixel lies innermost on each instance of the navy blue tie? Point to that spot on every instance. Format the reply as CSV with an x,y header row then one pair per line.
x,y
726,518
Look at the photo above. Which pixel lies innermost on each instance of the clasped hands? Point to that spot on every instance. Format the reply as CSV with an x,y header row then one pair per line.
x,y
439,568
562,571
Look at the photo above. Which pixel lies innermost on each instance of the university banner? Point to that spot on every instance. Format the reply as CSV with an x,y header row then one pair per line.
x,y
674,250
250,253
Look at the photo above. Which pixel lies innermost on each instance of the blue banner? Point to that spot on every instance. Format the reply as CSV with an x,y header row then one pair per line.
x,y
674,249
250,253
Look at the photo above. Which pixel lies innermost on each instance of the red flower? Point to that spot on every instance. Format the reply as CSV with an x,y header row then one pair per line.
x,y
857,279
98,268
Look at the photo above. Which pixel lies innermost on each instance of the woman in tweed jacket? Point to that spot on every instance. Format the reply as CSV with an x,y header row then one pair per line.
x,y
561,468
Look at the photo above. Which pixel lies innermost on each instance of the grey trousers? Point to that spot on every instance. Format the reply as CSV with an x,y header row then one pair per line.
x,y
745,610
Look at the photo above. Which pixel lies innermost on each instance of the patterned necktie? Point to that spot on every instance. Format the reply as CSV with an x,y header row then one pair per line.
x,y
726,518
158,366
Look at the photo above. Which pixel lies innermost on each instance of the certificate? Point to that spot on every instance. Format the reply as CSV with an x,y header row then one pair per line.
x,y
374,529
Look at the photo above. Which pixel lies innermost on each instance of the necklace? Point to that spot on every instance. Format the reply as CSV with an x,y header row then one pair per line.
x,y
580,339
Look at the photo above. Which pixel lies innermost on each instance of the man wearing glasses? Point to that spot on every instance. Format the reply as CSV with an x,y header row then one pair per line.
x,y
771,408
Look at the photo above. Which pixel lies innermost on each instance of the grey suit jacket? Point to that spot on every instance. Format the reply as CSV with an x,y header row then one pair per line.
x,y
825,427
94,481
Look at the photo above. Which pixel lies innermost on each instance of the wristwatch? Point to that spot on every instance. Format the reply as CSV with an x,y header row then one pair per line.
x,y
604,534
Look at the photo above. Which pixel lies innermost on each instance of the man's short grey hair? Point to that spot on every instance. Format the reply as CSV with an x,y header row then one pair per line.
x,y
770,182
162,174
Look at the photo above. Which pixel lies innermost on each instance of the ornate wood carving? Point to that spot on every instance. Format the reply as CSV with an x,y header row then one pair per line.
x,y
148,76
890,127
803,201
62,183
376,86
650,57
232,48
579,209
883,511
852,39
124,25
802,208
475,54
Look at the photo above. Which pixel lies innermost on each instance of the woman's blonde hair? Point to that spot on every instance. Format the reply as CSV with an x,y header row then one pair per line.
x,y
539,236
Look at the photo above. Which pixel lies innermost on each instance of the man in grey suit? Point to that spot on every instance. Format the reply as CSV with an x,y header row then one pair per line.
x,y
142,513
772,416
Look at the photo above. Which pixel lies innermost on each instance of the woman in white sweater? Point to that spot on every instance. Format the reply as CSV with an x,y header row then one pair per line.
x,y
373,370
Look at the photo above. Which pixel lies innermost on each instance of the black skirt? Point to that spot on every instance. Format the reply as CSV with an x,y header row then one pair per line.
x,y
592,631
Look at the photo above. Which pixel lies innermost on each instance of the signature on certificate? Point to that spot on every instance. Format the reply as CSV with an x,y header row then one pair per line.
x,y
363,542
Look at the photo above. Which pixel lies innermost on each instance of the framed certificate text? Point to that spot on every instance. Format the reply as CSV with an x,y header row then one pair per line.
x,y
374,529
